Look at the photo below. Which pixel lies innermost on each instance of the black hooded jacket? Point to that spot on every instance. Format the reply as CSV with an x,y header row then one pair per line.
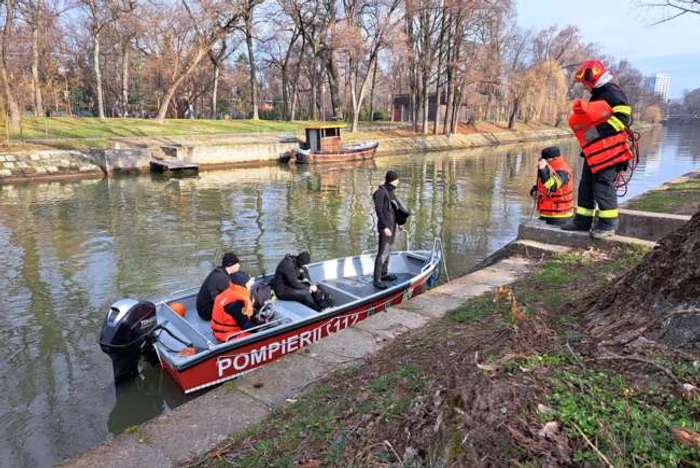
x,y
386,217
288,276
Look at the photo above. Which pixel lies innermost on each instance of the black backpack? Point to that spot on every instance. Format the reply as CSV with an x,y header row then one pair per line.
x,y
261,293
322,298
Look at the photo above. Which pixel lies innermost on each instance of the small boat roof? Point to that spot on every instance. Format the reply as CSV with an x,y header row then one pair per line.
x,y
325,125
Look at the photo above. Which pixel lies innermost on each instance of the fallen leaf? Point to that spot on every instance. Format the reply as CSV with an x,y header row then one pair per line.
x,y
310,463
549,430
686,437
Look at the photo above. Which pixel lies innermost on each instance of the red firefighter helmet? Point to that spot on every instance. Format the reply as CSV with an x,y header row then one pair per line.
x,y
590,72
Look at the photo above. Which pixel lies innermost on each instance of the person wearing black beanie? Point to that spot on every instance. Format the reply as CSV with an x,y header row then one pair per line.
x,y
554,189
217,281
290,282
384,204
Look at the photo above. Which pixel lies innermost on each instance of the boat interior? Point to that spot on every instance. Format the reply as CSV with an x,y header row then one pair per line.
x,y
347,280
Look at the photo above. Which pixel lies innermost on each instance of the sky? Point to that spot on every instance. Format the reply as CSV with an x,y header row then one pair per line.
x,y
623,30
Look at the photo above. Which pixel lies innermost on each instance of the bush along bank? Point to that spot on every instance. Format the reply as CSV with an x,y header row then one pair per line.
x,y
515,377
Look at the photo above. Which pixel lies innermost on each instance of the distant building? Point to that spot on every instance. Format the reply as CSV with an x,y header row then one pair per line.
x,y
658,84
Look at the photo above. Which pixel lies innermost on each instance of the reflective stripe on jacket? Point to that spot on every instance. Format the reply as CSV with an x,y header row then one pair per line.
x,y
556,199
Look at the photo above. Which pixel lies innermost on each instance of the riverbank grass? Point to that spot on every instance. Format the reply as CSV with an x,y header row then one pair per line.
x,y
677,197
505,379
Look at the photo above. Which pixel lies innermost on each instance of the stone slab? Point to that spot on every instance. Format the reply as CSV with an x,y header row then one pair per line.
x,y
201,424
283,379
433,304
392,323
540,232
648,226
122,452
346,347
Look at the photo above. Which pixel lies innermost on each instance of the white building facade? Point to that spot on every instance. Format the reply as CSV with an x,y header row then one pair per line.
x,y
658,84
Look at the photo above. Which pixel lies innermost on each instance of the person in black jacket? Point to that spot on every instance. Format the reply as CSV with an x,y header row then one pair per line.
x,y
387,227
291,283
598,189
215,282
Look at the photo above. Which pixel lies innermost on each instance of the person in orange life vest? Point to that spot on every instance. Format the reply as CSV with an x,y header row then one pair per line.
x,y
554,190
216,282
233,309
605,156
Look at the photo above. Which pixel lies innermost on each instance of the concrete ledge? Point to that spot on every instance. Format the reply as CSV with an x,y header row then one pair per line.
x,y
540,232
647,225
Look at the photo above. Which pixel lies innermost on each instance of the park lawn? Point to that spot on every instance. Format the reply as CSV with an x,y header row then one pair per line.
x,y
93,128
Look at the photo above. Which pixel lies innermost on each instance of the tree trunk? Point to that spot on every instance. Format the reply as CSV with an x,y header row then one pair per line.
x,y
125,79
36,83
168,95
513,113
332,67
215,91
251,60
98,76
371,94
426,98
15,117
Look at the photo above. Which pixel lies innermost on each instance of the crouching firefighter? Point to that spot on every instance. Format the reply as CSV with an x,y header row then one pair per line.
x,y
601,126
233,309
554,191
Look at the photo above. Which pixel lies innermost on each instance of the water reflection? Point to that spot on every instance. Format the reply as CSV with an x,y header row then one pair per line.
x,y
69,249
143,398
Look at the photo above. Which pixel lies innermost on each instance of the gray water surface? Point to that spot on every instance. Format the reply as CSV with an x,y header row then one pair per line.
x,y
70,249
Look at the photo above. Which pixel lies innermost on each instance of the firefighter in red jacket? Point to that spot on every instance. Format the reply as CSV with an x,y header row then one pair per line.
x,y
605,147
554,190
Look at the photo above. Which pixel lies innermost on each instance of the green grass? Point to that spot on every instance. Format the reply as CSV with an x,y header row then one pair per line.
x,y
322,418
631,427
669,199
93,128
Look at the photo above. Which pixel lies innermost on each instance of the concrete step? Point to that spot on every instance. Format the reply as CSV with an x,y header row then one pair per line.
x,y
543,233
647,225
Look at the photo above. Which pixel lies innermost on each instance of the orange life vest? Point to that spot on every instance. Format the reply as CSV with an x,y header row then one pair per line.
x,y
222,324
604,152
558,203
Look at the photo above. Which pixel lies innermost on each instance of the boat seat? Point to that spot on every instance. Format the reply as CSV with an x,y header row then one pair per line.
x,y
294,310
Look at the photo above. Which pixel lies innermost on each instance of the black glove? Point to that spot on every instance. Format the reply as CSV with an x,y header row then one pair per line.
x,y
533,191
621,167
582,155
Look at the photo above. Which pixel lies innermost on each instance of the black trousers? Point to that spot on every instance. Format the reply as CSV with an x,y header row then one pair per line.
x,y
381,263
597,189
298,295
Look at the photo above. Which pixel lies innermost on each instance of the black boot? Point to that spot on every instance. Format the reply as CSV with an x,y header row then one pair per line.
x,y
579,223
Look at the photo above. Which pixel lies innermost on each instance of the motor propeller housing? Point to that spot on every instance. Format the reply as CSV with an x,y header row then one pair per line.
x,y
125,333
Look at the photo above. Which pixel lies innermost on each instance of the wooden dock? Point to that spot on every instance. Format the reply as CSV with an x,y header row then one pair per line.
x,y
172,167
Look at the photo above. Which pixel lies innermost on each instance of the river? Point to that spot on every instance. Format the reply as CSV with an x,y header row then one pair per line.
x,y
69,249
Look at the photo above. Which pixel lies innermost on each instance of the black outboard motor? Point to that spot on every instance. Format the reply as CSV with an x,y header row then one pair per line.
x,y
125,333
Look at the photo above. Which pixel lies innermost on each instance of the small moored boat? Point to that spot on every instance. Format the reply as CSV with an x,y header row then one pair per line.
x,y
324,145
185,347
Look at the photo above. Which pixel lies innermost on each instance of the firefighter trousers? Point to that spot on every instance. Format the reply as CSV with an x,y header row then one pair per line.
x,y
597,189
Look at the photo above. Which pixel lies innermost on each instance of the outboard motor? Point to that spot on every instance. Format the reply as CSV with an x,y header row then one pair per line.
x,y
125,333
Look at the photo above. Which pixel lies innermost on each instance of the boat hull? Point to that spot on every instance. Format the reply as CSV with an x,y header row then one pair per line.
x,y
231,363
364,152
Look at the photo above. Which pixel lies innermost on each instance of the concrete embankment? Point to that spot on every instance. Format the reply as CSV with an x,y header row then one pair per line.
x,y
196,427
219,152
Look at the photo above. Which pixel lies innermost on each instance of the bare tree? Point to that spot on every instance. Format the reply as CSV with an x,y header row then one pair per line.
x,y
247,15
14,115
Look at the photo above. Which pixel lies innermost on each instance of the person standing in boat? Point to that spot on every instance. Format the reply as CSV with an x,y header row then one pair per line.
x,y
386,205
291,283
216,282
233,312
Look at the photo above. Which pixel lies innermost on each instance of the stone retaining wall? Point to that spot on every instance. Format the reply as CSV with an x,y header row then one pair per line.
x,y
57,163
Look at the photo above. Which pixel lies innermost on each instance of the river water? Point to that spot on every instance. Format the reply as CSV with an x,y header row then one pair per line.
x,y
70,249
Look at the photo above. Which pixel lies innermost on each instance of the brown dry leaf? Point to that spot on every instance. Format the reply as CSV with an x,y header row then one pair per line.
x,y
686,437
310,463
